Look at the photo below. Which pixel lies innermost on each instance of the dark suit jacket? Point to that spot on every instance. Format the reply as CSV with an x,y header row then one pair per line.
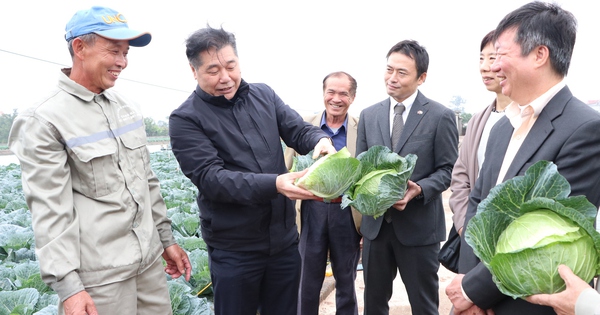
x,y
429,132
567,132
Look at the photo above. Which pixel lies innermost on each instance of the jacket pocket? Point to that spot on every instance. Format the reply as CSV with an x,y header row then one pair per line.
x,y
136,152
420,138
95,170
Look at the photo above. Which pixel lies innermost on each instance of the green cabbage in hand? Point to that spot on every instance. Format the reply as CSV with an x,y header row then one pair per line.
x,y
542,236
528,226
329,176
383,177
369,184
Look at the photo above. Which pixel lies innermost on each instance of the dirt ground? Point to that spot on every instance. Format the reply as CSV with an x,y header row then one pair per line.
x,y
399,304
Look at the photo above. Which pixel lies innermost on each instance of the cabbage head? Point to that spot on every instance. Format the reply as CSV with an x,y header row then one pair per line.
x,y
331,175
383,177
528,226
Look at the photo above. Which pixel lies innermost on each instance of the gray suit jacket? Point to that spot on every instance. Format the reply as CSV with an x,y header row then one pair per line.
x,y
567,132
350,144
429,132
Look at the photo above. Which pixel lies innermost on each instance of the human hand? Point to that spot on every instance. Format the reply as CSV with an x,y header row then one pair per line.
x,y
412,190
323,147
177,261
285,186
80,303
475,310
454,293
563,302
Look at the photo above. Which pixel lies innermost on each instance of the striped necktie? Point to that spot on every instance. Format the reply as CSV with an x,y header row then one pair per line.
x,y
398,125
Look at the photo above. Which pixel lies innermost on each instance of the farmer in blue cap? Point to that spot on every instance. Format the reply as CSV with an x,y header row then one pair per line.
x,y
99,220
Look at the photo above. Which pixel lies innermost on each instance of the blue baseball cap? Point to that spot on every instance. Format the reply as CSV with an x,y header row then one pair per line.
x,y
107,23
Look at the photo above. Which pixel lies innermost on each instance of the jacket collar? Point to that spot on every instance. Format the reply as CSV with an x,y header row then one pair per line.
x,y
66,84
242,92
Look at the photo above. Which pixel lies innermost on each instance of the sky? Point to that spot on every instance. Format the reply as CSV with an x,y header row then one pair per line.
x,y
290,46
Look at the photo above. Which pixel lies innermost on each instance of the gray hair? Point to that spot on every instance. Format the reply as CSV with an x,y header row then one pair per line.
x,y
543,24
89,39
205,39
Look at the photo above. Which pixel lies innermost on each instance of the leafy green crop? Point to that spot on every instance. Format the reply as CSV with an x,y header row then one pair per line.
x,y
528,226
22,290
383,176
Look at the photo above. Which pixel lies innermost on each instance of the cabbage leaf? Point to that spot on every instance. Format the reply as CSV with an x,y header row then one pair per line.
x,y
528,226
383,177
330,176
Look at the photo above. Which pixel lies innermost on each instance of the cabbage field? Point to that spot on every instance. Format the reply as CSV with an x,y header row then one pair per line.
x,y
22,291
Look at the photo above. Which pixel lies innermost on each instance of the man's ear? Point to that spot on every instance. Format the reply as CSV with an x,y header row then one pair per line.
x,y
541,55
78,46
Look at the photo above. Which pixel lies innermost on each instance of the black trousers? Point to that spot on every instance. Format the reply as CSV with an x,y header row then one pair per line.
x,y
383,257
328,228
247,282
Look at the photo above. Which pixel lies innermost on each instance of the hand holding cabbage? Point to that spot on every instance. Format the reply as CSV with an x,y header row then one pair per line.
x,y
383,177
371,183
528,226
329,176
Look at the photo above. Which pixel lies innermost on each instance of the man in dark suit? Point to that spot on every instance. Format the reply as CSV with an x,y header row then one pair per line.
x,y
534,45
408,236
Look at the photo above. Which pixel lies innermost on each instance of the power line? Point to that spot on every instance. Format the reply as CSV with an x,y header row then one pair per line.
x,y
63,65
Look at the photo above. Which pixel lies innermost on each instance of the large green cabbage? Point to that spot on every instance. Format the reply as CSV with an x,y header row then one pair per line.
x,y
329,176
528,226
383,177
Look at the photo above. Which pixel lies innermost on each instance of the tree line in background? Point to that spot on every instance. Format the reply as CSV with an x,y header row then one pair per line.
x,y
156,129
161,128
153,128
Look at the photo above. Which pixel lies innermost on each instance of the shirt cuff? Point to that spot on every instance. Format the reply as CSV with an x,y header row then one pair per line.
x,y
588,302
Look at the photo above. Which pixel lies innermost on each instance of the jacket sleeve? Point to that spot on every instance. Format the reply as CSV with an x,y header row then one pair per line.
x,y
200,162
446,152
460,184
47,186
460,188
480,288
588,303
576,168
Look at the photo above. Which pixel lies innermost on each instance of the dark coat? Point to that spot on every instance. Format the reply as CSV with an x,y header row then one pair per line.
x,y
429,132
231,150
566,133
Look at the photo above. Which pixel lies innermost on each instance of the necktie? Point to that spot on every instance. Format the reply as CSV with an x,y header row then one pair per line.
x,y
396,132
398,125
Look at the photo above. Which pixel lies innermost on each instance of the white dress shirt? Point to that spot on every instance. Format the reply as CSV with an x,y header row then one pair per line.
x,y
407,105
523,117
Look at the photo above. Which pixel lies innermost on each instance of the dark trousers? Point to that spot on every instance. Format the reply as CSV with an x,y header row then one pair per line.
x,y
247,282
418,267
328,228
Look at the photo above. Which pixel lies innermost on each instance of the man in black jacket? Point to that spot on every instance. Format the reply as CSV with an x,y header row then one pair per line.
x,y
227,139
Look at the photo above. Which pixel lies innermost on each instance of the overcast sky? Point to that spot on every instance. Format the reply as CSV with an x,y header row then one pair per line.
x,y
288,46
